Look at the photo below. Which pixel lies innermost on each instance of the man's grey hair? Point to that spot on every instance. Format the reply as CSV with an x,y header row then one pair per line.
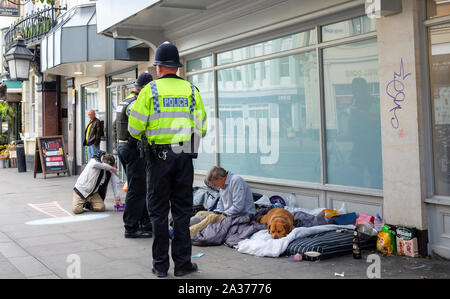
x,y
216,173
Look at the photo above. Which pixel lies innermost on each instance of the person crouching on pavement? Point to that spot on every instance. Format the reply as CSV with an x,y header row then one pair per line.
x,y
92,184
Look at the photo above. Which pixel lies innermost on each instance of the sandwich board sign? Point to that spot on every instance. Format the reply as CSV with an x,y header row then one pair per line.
x,y
50,156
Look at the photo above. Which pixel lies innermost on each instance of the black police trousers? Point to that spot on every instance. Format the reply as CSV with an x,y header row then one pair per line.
x,y
169,186
135,213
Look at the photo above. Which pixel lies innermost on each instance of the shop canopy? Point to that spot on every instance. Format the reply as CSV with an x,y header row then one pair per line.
x,y
74,47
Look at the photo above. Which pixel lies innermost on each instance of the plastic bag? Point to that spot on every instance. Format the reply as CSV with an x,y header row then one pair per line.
x,y
384,243
329,213
342,210
392,234
407,241
365,218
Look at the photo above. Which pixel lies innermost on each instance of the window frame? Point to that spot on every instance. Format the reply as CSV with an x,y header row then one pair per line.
x,y
428,24
318,47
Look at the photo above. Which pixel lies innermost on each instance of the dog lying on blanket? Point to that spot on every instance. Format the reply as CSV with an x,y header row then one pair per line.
x,y
279,221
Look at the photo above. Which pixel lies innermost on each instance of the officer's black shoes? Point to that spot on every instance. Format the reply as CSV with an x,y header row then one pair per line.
x,y
138,234
193,268
158,273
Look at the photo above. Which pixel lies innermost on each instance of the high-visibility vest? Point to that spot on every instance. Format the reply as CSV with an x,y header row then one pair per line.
x,y
168,111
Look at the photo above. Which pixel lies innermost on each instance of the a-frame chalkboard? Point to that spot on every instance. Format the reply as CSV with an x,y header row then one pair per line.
x,y
50,156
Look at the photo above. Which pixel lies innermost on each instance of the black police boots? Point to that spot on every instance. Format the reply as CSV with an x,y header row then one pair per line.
x,y
192,268
138,234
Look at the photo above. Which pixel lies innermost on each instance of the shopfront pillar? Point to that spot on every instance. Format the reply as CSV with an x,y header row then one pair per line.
x,y
401,60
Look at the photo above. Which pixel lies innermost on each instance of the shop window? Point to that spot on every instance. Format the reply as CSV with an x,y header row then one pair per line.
x,y
199,64
440,99
207,149
352,109
267,132
284,67
438,8
355,26
89,101
292,41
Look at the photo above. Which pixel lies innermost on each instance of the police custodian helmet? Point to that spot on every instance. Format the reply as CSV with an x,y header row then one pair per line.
x,y
167,55
142,80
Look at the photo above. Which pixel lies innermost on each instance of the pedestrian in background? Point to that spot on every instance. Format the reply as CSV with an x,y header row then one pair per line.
x,y
92,135
135,217
170,115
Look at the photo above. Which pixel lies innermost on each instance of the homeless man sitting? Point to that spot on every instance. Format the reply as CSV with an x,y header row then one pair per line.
x,y
92,184
236,199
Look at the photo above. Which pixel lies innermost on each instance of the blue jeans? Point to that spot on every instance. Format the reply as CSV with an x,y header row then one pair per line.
x,y
92,150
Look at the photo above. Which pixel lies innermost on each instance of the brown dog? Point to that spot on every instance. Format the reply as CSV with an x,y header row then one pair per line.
x,y
280,222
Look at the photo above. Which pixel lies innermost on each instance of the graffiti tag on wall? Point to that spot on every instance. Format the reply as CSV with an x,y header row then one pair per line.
x,y
395,89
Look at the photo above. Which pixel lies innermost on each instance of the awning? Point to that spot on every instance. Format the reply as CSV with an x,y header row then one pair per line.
x,y
13,91
13,86
75,40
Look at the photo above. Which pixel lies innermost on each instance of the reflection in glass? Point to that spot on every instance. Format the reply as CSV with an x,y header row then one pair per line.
x,y
293,41
207,149
90,97
199,64
355,26
440,95
352,108
269,118
437,8
89,102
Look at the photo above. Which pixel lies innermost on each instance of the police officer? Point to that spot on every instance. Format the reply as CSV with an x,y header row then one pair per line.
x,y
170,113
135,217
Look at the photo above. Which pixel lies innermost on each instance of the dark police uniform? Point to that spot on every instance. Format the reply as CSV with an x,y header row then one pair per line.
x,y
135,217
167,113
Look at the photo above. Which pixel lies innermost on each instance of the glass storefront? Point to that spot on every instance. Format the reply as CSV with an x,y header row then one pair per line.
x,y
439,37
204,83
119,86
267,112
352,110
274,121
89,98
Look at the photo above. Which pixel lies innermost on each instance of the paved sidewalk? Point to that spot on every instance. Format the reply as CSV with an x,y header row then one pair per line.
x,y
52,251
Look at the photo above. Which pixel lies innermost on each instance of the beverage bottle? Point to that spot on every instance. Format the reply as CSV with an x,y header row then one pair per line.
x,y
291,200
356,247
378,222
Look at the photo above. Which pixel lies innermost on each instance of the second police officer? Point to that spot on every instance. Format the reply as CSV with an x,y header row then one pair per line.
x,y
135,217
170,115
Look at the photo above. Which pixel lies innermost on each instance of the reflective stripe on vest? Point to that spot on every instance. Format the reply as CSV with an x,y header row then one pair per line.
x,y
169,131
155,97
191,108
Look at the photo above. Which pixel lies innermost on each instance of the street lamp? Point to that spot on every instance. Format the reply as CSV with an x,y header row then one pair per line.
x,y
19,58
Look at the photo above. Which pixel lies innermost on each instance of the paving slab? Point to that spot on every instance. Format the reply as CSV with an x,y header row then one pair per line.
x,y
30,266
42,252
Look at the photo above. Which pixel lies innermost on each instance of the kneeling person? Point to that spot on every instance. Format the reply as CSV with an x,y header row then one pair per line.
x,y
92,184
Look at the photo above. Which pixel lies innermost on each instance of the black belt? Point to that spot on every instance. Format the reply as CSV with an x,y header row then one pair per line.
x,y
129,141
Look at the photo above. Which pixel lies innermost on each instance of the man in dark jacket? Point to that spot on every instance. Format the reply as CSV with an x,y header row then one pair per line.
x,y
92,135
